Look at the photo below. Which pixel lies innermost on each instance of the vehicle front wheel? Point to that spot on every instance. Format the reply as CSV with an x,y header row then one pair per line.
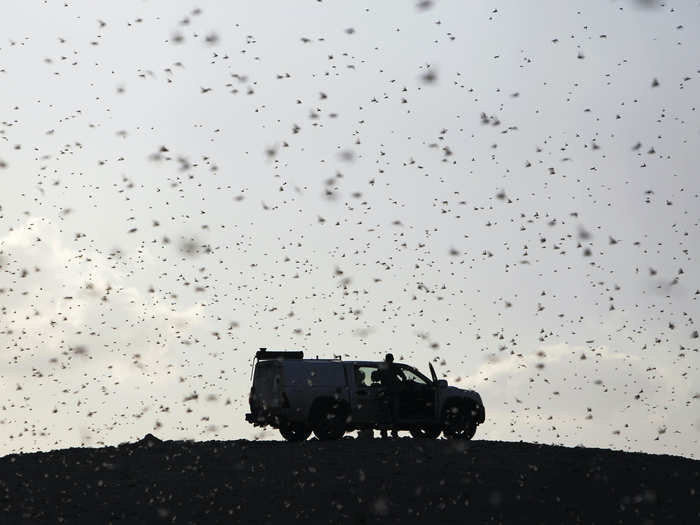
x,y
459,422
295,431
426,432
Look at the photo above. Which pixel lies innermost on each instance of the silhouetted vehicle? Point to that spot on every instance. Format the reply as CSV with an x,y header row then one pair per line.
x,y
331,397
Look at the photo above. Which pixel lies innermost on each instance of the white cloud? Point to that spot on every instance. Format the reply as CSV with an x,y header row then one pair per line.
x,y
75,333
555,396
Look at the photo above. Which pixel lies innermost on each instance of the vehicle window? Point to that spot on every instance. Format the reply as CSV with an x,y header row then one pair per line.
x,y
363,375
412,376
309,373
267,377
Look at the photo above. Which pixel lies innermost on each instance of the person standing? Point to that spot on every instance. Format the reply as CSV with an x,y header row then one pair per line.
x,y
390,379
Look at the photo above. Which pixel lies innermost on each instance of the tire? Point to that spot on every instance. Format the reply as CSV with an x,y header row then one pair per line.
x,y
295,431
426,432
459,421
329,423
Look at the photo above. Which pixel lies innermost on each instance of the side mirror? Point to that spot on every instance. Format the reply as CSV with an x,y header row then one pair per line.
x,y
442,383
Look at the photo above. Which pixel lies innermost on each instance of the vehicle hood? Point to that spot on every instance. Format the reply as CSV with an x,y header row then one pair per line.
x,y
453,391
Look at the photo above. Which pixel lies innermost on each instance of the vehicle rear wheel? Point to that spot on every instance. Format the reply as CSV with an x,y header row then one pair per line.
x,y
458,422
295,431
426,432
330,423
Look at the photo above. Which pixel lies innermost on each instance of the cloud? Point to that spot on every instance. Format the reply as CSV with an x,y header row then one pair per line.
x,y
78,333
577,395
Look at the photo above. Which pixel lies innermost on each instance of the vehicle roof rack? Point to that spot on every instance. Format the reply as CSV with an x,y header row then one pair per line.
x,y
264,353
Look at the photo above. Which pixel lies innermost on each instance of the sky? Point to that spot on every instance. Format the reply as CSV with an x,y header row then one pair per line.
x,y
506,189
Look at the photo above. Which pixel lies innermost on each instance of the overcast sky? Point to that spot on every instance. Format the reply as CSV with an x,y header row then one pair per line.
x,y
507,189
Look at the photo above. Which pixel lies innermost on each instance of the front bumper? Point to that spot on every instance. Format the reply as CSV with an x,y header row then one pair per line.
x,y
481,414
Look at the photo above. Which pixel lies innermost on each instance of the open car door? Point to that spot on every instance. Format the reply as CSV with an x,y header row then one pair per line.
x,y
417,397
432,372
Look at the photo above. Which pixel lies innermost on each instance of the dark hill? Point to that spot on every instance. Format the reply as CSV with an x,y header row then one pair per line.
x,y
348,481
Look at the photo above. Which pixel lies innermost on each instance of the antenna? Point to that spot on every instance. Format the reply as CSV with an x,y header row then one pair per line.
x,y
252,367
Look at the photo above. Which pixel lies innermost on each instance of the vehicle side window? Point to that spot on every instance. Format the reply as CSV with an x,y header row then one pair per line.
x,y
410,376
363,375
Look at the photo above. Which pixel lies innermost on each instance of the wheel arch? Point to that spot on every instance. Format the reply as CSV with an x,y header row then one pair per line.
x,y
462,402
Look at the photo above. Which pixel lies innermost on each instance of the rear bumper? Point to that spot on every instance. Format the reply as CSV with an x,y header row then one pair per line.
x,y
271,417
260,419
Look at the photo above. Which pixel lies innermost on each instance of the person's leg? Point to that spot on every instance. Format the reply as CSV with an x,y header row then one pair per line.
x,y
365,433
386,416
394,414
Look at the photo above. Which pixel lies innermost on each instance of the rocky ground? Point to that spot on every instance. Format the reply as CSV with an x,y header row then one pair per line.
x,y
348,481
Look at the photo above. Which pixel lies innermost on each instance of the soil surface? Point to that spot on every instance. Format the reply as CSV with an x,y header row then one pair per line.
x,y
348,481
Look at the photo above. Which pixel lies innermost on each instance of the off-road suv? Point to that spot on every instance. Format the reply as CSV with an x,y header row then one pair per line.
x,y
331,397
